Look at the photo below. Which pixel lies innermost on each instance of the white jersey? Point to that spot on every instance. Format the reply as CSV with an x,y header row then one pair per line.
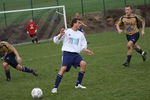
x,y
73,41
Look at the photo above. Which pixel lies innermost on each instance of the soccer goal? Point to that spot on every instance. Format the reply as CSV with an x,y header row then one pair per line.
x,y
48,19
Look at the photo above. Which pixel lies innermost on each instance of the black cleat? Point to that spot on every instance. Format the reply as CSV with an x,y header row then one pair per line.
x,y
144,56
126,64
35,73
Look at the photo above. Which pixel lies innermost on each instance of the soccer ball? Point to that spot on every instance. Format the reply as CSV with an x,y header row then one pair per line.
x,y
36,93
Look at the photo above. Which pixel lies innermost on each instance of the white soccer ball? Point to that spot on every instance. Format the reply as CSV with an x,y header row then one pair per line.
x,y
36,93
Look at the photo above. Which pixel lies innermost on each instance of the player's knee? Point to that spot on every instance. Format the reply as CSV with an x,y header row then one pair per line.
x,y
83,64
62,70
129,46
5,65
18,67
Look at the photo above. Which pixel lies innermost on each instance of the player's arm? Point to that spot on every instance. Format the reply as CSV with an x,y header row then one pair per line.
x,y
60,36
27,29
35,27
84,46
84,24
19,59
143,24
89,52
118,23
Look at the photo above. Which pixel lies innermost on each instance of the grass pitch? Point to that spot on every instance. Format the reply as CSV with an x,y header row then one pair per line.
x,y
106,78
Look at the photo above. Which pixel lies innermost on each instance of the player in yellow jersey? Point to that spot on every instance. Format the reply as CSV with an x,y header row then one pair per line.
x,y
11,57
130,26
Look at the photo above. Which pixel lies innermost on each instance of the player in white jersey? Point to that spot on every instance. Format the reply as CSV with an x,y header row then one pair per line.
x,y
73,43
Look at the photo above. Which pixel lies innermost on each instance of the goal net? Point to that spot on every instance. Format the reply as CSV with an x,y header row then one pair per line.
x,y
49,20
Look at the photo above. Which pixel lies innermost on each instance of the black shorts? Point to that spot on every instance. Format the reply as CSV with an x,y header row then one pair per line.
x,y
134,38
32,35
11,59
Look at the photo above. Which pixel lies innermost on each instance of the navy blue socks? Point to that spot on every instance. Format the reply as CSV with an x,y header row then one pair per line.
x,y
80,77
25,69
57,81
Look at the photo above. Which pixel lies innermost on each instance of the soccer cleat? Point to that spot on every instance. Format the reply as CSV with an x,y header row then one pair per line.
x,y
144,56
126,64
80,86
8,79
54,90
35,73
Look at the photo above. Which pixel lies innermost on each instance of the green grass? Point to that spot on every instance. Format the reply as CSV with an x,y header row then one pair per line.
x,y
106,79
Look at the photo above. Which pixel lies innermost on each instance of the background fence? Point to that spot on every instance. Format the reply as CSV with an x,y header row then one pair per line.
x,y
72,6
12,25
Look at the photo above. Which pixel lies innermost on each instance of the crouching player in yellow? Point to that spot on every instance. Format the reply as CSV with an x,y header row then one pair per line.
x,y
11,57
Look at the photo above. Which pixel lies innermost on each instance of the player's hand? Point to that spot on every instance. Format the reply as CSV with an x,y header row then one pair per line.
x,y
120,31
19,59
27,32
88,51
142,32
35,30
62,31
85,25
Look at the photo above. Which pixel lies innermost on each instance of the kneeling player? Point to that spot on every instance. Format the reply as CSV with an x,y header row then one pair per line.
x,y
11,57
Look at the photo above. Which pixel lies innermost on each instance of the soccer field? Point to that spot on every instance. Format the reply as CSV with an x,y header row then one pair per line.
x,y
106,78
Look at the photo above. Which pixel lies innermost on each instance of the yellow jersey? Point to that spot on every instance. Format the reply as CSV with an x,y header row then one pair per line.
x,y
130,24
5,48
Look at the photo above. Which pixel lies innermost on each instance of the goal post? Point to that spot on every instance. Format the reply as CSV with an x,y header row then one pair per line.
x,y
49,20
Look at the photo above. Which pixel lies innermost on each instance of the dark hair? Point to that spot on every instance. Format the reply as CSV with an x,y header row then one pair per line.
x,y
129,6
74,20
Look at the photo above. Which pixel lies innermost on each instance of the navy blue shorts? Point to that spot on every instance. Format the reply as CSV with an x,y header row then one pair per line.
x,y
71,59
134,38
11,60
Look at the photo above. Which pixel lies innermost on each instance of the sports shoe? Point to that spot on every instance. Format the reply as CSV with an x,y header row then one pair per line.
x,y
8,79
54,90
80,86
144,56
126,64
35,73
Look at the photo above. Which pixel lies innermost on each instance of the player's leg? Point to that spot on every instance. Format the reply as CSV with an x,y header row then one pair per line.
x,y
81,74
130,45
35,38
11,60
26,69
7,71
140,51
32,38
66,65
58,78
